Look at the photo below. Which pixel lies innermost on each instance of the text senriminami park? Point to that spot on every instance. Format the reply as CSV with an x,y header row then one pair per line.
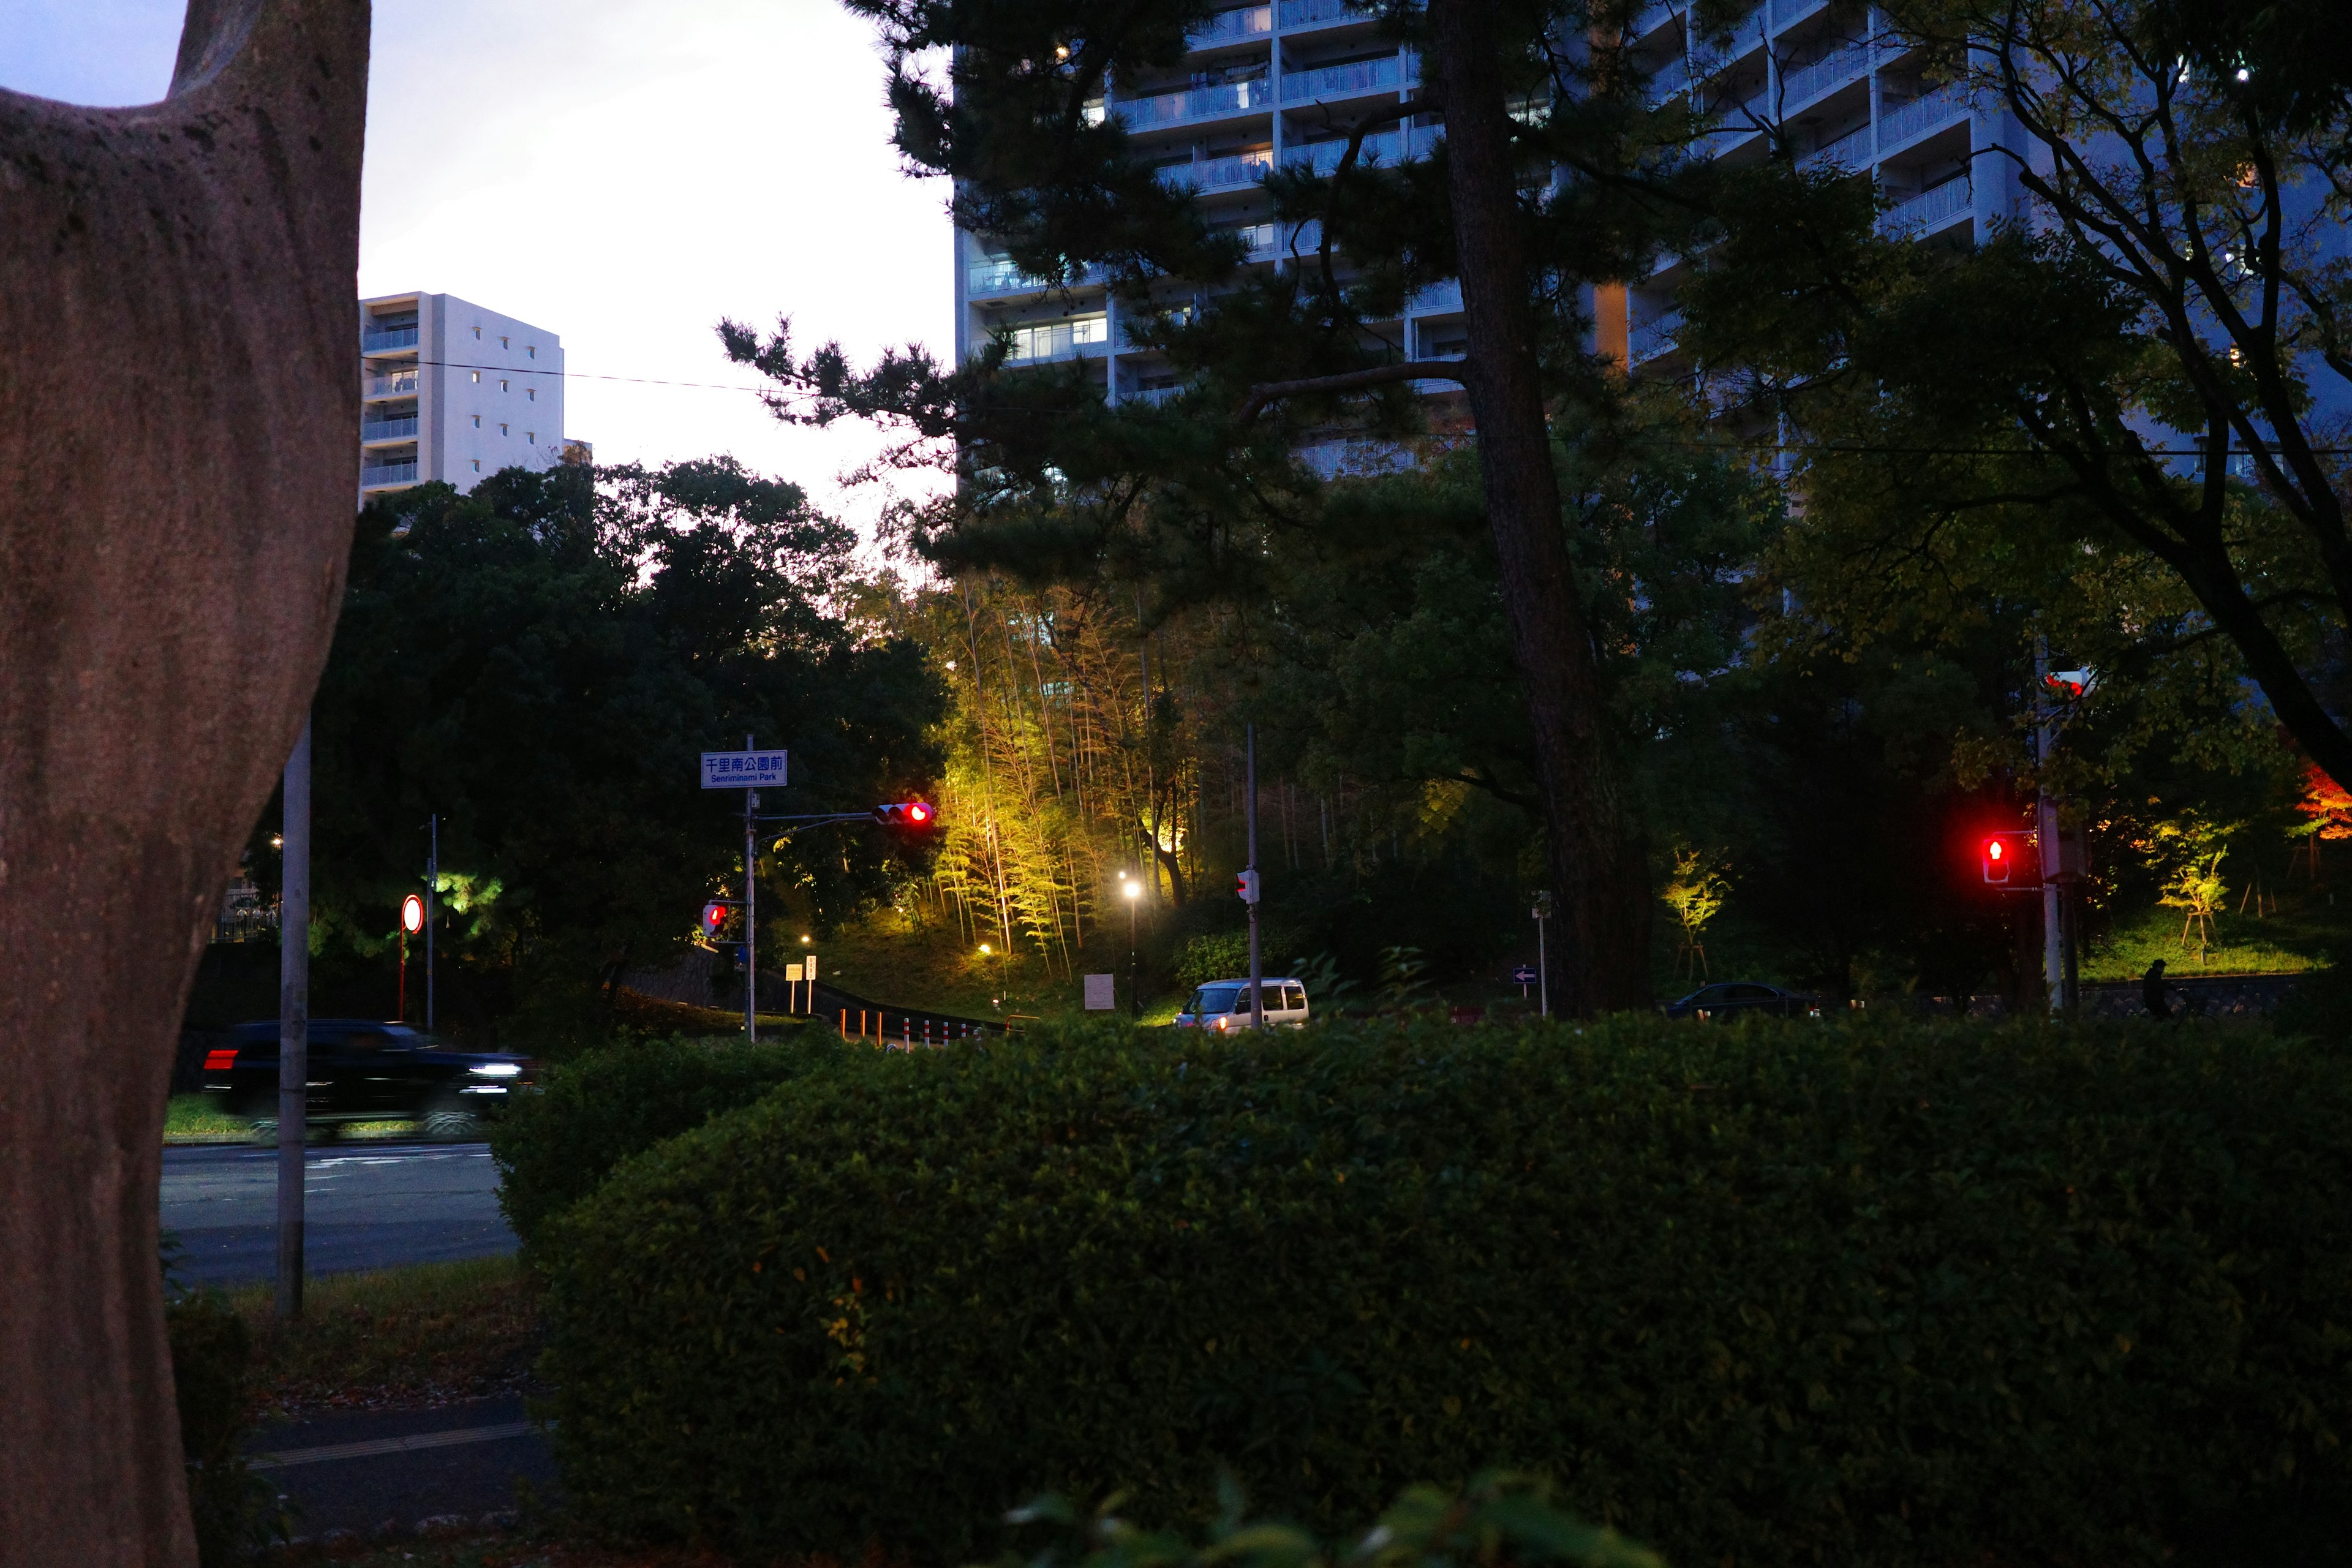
x,y
742,770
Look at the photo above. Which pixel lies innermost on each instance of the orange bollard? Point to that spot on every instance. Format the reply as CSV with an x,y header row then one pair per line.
x,y
844,1023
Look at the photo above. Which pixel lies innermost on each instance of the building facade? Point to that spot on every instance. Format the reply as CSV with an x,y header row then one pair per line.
x,y
1276,85
453,392
1846,92
1264,86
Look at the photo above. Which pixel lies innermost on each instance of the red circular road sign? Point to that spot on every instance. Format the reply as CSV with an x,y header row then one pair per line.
x,y
411,914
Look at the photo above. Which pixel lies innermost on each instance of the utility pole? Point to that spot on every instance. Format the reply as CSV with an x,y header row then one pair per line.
x,y
752,912
1257,973
293,1024
2057,959
432,885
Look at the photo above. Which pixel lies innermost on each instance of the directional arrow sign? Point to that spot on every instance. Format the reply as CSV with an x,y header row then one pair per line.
x,y
1525,975
742,770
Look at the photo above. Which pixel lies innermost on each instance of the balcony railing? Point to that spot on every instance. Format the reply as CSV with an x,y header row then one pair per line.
x,y
1156,396
999,275
389,429
1323,157
399,384
1827,74
1383,75
1909,121
1849,151
388,337
1231,26
1437,299
388,474
1653,338
1217,173
1194,103
1307,13
1707,58
1929,210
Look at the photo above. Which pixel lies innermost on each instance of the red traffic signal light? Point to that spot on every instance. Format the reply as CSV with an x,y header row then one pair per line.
x,y
713,917
1994,859
916,814
1245,887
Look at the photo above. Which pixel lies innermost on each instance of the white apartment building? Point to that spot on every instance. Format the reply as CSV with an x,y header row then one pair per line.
x,y
1848,93
451,390
1265,85
1276,85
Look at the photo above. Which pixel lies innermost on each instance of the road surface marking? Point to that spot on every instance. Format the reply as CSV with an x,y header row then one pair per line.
x,y
284,1457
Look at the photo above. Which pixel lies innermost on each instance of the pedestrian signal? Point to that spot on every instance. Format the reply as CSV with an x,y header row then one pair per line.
x,y
713,917
1245,887
1995,859
913,813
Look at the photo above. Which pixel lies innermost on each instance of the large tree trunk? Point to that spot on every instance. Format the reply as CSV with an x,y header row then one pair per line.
x,y
179,411
1600,881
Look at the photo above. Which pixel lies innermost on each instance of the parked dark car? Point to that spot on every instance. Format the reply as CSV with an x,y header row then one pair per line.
x,y
362,1070
1739,998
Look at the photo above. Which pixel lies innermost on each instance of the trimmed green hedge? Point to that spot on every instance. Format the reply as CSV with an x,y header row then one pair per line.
x,y
1855,1293
554,1147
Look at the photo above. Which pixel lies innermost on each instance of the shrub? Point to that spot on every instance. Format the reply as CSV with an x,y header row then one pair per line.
x,y
1916,1293
210,1354
553,1147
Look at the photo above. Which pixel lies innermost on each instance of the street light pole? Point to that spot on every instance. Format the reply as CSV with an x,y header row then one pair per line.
x,y
293,1024
1134,891
1257,998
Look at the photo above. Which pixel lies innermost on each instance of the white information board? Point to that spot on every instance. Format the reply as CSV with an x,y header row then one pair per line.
x,y
742,770
1100,994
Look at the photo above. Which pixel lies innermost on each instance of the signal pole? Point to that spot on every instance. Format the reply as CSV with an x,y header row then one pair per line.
x,y
751,911
2057,959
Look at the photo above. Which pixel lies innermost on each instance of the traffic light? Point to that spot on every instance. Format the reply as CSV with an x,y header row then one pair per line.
x,y
713,917
917,815
1245,887
1996,856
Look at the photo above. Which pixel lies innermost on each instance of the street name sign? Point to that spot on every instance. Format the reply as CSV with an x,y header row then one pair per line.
x,y
742,770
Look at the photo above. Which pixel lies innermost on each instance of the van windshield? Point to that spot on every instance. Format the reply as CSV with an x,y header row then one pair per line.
x,y
1213,999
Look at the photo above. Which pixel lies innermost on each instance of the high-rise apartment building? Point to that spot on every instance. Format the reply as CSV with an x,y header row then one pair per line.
x,y
1264,86
1278,85
1846,92
453,392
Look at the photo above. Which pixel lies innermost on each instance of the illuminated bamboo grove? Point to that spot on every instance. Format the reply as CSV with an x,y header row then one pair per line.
x,y
1081,748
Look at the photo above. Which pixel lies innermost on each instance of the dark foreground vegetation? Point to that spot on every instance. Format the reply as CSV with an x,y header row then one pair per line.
x,y
1890,1294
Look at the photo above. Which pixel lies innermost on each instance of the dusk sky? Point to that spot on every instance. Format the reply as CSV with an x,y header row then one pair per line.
x,y
622,173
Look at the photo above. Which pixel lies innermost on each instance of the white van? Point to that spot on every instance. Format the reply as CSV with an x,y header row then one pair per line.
x,y
1225,1004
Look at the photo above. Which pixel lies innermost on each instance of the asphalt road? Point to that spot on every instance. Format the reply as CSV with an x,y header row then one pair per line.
x,y
365,1207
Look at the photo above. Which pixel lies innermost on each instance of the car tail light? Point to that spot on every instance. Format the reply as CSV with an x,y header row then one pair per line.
x,y
220,1061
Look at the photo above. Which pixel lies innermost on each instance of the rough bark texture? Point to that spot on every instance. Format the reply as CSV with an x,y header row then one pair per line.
x,y
179,410
1602,959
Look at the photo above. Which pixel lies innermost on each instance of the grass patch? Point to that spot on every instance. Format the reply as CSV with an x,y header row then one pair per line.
x,y
418,1335
191,1117
2288,942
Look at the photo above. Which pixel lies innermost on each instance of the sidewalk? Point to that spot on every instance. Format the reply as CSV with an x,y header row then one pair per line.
x,y
368,1470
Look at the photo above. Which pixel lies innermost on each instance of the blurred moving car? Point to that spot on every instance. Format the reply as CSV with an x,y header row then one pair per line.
x,y
363,1071
1739,998
1225,1004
